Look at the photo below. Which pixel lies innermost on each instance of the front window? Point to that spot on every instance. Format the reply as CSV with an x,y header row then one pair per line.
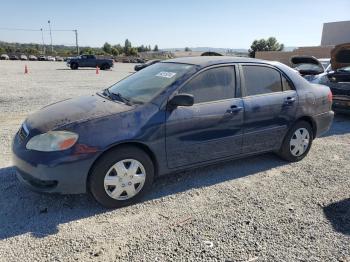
x,y
212,85
144,85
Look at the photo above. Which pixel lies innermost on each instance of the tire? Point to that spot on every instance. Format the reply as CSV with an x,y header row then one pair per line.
x,y
294,147
74,66
105,67
112,176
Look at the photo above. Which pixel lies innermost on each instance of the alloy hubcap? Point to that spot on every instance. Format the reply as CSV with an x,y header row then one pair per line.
x,y
299,142
125,179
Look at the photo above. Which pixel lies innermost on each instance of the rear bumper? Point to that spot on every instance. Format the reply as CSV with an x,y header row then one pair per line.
x,y
341,104
323,122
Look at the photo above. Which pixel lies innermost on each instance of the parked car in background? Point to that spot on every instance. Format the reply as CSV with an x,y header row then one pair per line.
x,y
325,62
89,61
51,58
171,116
23,57
336,76
59,59
14,57
144,65
42,58
32,58
4,57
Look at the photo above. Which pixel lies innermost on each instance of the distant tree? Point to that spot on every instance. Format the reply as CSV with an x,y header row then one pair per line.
x,y
2,50
133,51
87,51
107,48
187,49
149,48
155,48
269,44
115,51
127,47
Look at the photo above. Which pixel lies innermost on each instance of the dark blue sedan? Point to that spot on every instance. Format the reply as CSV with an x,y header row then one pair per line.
x,y
171,116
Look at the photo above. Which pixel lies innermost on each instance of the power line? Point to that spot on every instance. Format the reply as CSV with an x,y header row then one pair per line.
x,y
34,30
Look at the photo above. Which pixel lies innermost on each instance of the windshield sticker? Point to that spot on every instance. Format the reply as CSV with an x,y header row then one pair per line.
x,y
166,74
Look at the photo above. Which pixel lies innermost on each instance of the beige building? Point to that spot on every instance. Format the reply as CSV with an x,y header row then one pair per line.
x,y
335,33
284,57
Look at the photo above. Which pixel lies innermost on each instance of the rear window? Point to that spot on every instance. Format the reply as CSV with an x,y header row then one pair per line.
x,y
261,80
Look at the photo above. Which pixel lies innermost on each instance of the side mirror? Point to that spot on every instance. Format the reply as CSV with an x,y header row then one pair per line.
x,y
181,100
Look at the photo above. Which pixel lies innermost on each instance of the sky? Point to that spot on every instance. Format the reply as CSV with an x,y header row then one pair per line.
x,y
171,24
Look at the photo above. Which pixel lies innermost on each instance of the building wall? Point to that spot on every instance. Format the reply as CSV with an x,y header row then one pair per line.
x,y
335,33
284,57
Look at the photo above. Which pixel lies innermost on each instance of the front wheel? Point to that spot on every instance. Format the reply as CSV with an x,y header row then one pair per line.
x,y
297,142
121,177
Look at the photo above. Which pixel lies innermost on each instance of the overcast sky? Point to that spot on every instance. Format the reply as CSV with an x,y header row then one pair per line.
x,y
180,23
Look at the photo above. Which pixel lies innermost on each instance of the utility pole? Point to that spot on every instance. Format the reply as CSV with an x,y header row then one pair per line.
x,y
42,37
50,37
76,40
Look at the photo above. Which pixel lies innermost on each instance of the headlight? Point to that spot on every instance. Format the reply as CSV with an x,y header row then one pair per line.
x,y
52,141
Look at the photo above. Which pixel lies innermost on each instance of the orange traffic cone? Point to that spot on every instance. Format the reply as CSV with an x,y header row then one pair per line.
x,y
97,70
25,69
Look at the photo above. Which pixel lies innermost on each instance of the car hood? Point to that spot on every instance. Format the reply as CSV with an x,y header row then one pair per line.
x,y
73,110
340,56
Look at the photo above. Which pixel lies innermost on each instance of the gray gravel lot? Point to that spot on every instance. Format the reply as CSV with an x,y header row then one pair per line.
x,y
256,209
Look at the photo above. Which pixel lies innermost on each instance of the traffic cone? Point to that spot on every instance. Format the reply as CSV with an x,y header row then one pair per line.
x,y
97,70
25,69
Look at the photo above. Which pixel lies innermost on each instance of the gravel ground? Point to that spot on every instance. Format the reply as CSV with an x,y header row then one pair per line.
x,y
257,209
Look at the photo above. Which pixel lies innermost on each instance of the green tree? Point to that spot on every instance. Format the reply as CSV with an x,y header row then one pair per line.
x,y
155,48
107,48
115,51
187,49
2,50
270,44
127,47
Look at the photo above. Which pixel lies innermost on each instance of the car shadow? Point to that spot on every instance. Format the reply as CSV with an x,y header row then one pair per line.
x,y
338,214
23,211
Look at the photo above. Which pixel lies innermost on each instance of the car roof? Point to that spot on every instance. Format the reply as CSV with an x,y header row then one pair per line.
x,y
204,61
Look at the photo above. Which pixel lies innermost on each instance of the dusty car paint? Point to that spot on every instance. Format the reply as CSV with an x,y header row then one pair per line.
x,y
175,139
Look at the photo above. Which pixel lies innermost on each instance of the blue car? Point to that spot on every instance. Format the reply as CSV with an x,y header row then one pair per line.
x,y
171,116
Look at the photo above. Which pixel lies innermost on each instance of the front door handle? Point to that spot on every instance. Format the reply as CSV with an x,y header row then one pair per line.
x,y
289,100
234,109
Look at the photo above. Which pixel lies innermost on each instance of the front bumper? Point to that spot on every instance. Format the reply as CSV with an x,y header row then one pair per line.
x,y
323,122
52,172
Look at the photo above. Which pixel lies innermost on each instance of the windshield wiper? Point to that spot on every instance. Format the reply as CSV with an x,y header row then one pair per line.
x,y
116,96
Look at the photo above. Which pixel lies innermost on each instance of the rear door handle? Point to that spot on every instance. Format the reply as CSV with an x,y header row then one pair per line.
x,y
234,109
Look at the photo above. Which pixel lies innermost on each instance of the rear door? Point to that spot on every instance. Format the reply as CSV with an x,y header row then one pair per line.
x,y
212,127
270,103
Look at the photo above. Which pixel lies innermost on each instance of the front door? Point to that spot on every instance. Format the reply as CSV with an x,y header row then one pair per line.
x,y
270,103
212,127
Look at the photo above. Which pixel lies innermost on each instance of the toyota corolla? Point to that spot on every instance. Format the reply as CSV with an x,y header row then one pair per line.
x,y
174,115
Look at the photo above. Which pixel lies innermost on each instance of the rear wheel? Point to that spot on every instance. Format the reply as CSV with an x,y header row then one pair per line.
x,y
297,142
105,67
121,177
74,66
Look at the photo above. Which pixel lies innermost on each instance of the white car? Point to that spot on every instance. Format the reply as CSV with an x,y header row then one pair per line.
x,y
4,57
51,58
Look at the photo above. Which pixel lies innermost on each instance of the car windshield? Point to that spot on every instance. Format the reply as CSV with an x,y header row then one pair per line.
x,y
144,85
308,67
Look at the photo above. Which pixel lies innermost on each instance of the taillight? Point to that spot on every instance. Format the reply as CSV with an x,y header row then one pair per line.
x,y
330,96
